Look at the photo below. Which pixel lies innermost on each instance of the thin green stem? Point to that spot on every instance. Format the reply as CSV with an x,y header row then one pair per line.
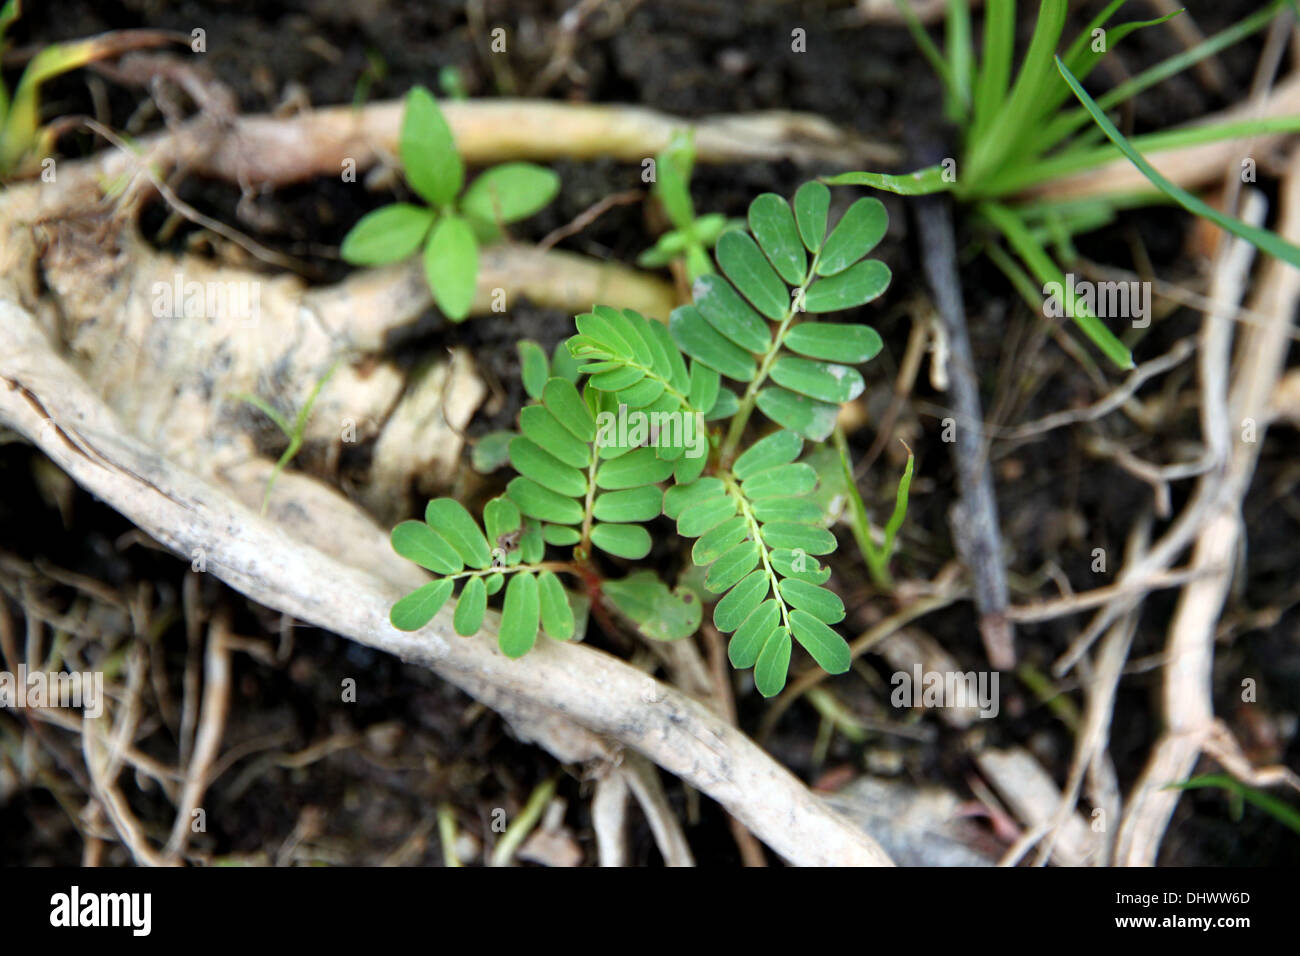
x,y
589,504
569,567
748,400
733,489
877,563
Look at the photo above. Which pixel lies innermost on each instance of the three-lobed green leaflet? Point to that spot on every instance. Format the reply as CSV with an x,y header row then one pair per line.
x,y
757,530
450,228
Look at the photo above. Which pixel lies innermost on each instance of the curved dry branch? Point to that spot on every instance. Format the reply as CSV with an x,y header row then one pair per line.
x,y
43,398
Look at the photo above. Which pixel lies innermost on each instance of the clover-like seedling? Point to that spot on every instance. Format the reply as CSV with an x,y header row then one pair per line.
x,y
691,238
450,228
645,427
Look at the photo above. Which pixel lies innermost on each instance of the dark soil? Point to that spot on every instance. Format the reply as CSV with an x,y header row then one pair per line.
x,y
422,742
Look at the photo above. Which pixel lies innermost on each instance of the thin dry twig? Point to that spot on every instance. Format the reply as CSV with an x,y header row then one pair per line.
x,y
1188,698
212,722
974,518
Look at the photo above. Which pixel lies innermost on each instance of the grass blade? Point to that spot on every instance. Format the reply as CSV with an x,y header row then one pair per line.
x,y
1024,107
994,74
927,48
1063,125
961,59
920,183
1283,812
1080,159
1262,239
1046,270
876,559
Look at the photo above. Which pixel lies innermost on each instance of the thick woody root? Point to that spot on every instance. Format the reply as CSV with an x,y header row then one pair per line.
x,y
172,342
264,150
571,690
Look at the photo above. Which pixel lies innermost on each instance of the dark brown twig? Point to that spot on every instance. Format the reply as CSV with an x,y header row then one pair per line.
x,y
974,518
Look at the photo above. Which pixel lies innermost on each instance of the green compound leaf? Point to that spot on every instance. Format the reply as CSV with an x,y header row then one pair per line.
x,y
801,510
531,545
705,516
753,276
536,422
680,497
773,663
519,615
817,601
780,481
450,519
730,567
510,192
418,608
501,519
853,287
557,616
505,528
798,564
798,537
491,452
689,468
560,535
416,541
542,503
451,266
812,201
613,379
531,461
534,369
738,603
748,641
634,504
773,225
429,158
562,400
779,448
828,649
821,380
388,234
471,607
705,387
834,342
629,541
725,310
809,417
657,612
720,539
563,364
636,468
859,231
701,341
